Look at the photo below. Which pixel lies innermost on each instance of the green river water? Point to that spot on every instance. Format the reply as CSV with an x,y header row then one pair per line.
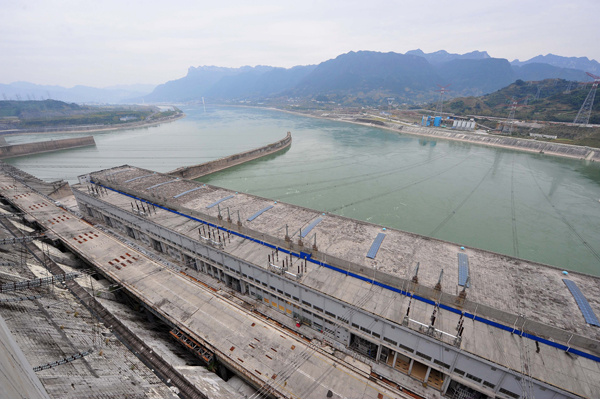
x,y
536,207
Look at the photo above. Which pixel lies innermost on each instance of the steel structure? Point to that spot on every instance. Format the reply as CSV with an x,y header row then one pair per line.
x,y
38,282
440,104
583,116
11,215
539,90
510,121
18,240
20,299
65,360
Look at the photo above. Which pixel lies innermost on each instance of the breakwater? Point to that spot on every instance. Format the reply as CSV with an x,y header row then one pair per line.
x,y
203,169
91,128
540,147
18,150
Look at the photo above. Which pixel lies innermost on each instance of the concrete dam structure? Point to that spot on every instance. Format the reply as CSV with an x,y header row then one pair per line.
x,y
377,294
303,304
17,150
203,169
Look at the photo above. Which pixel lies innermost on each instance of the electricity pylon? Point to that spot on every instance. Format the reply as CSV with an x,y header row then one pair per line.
x,y
514,104
583,116
440,104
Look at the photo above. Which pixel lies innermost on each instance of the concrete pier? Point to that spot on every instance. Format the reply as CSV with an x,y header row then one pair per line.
x,y
203,169
17,150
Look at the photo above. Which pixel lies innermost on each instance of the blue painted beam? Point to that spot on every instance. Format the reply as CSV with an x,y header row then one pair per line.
x,y
257,214
139,177
375,246
161,184
187,192
308,228
219,201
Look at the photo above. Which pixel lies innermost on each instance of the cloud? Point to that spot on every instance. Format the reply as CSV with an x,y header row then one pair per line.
x,y
119,42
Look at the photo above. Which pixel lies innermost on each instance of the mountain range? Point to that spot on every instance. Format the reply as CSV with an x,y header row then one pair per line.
x,y
354,78
581,63
365,77
77,94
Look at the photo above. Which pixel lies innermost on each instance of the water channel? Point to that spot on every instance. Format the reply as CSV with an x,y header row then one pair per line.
x,y
532,206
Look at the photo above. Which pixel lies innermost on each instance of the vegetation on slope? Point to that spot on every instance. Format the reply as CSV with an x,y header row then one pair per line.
x,y
36,114
554,103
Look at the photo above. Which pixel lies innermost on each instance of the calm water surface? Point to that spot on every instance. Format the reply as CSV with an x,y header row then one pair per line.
x,y
536,207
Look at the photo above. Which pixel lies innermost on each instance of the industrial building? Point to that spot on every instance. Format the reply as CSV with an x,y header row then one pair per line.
x,y
422,315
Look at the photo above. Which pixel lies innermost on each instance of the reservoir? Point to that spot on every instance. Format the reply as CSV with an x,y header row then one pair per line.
x,y
532,206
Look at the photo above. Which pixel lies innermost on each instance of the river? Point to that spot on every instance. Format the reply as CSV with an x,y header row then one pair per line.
x,y
532,206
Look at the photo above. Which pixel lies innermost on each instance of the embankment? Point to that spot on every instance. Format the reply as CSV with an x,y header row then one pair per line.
x,y
18,150
196,171
542,147
91,128
519,144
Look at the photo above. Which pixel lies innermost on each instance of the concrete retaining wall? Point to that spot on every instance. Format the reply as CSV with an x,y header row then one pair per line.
x,y
203,169
18,150
562,150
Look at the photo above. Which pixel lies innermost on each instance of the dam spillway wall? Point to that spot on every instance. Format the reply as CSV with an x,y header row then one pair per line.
x,y
203,169
17,150
544,147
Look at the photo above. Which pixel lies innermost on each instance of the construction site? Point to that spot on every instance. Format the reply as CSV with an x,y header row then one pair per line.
x,y
139,284
147,284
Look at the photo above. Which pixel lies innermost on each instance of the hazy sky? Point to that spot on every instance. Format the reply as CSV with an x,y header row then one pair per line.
x,y
101,43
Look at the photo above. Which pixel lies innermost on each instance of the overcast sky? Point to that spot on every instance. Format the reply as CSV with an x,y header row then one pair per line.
x,y
102,43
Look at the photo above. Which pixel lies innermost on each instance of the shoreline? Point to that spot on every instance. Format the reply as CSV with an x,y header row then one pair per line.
x,y
136,125
593,154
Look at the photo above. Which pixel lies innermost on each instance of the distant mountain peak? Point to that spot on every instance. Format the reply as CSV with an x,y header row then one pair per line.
x,y
440,56
582,63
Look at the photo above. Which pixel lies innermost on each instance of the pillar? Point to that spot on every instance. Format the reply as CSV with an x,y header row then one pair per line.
x,y
446,383
412,361
427,375
395,357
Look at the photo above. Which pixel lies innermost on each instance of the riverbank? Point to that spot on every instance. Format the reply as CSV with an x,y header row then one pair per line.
x,y
84,129
514,143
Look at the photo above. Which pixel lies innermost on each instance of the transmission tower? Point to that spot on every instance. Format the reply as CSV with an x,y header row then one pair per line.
x,y
440,104
5,98
537,95
510,121
568,90
583,116
48,93
18,97
390,101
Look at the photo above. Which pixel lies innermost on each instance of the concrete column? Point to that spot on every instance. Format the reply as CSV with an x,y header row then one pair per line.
x,y
446,383
378,352
395,357
412,361
427,375
499,384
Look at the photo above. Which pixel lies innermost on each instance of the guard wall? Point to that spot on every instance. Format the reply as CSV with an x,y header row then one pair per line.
x,y
18,150
203,169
